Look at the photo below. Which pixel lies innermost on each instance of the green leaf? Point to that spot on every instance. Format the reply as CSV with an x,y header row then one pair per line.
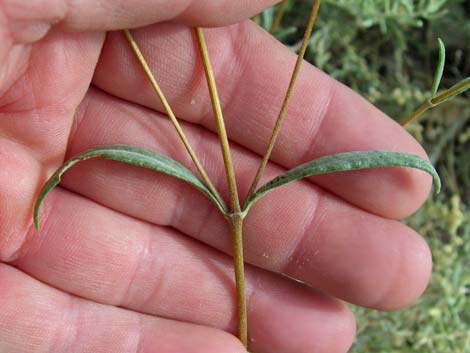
x,y
344,162
132,155
440,67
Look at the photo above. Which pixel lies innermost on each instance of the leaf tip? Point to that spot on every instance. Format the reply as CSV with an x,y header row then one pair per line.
x,y
37,225
50,184
37,207
437,184
441,43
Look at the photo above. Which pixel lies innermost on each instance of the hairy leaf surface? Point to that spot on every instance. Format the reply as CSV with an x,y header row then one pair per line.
x,y
131,155
344,162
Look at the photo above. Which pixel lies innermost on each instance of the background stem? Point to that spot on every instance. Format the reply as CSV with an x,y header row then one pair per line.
x,y
279,15
417,113
440,98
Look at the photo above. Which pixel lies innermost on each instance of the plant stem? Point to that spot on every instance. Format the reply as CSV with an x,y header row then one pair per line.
x,y
169,111
236,227
279,15
282,113
417,112
440,98
235,218
232,184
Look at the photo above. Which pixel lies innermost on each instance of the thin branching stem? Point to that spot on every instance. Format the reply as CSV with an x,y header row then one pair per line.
x,y
224,144
172,116
417,112
440,98
279,15
285,104
235,218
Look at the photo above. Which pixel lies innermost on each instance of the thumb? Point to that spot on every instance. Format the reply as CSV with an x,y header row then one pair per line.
x,y
28,21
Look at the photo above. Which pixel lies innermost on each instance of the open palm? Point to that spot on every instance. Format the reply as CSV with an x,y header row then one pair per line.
x,y
129,260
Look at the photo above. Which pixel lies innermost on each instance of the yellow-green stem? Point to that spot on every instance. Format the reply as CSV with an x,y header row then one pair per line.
x,y
171,115
236,227
234,218
450,92
417,112
440,98
285,104
279,15
232,184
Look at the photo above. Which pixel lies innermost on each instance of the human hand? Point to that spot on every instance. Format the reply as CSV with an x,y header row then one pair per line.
x,y
133,261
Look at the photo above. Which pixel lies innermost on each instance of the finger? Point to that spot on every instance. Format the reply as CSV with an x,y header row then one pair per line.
x,y
41,85
37,106
37,318
30,21
252,71
98,254
300,229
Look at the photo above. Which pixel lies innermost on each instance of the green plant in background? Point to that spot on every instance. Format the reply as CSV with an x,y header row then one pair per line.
x,y
387,51
235,211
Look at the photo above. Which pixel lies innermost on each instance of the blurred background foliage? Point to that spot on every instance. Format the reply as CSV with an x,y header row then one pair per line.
x,y
387,51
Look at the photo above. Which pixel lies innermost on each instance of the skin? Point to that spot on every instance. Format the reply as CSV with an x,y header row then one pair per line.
x,y
128,260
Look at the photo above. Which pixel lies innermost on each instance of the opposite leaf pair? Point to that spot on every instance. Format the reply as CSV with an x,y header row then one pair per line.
x,y
151,160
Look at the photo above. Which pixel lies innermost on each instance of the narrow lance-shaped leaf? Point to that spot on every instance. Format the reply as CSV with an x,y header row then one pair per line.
x,y
440,67
344,162
437,99
131,155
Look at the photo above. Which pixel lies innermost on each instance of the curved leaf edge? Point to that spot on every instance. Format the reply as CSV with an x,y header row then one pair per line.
x,y
129,154
343,162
